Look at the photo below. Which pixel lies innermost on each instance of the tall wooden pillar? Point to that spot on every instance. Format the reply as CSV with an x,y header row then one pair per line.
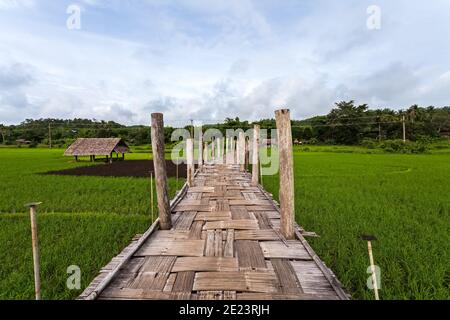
x,y
190,161
205,153
255,155
200,150
241,152
159,163
219,151
287,201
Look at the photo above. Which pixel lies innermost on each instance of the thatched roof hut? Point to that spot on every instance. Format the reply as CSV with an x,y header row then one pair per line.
x,y
92,147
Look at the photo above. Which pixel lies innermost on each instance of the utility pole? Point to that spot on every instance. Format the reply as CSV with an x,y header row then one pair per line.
x,y
379,131
404,129
50,135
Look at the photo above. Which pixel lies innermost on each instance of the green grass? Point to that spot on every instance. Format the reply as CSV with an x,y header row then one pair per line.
x,y
22,183
402,199
100,217
341,192
85,240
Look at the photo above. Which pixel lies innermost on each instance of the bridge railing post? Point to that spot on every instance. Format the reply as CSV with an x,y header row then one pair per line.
x,y
200,149
241,152
159,163
286,194
190,161
255,155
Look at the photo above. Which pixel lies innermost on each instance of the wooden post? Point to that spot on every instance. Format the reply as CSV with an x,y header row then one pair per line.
x,y
241,153
35,245
159,163
219,151
151,195
287,201
190,161
255,155
213,149
229,154
205,153
200,150
247,153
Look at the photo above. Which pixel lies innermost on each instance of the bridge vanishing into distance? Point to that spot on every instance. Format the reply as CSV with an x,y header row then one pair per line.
x,y
222,238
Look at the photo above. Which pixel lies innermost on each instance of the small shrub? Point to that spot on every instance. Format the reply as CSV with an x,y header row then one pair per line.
x,y
369,143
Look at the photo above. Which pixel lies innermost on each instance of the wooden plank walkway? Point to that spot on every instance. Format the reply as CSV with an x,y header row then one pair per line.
x,y
225,244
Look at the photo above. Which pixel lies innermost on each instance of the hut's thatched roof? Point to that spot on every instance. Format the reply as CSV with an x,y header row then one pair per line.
x,y
96,147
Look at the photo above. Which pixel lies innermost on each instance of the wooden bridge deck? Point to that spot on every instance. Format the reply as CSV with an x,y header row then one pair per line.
x,y
225,244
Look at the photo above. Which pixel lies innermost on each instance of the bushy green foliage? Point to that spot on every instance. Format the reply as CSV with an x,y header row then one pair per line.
x,y
404,147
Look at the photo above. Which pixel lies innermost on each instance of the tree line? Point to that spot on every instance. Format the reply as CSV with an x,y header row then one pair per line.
x,y
347,123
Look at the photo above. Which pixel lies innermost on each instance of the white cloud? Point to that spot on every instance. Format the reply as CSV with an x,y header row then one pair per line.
x,y
14,4
212,60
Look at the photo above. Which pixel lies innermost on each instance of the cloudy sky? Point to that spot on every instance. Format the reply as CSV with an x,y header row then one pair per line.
x,y
211,59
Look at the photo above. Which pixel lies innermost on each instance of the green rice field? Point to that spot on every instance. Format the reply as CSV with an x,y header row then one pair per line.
x,y
341,193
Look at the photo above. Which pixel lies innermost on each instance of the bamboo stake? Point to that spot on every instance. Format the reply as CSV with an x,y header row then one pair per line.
x,y
35,245
372,267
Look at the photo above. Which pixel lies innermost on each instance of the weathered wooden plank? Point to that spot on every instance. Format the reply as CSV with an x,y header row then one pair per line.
x,y
229,295
263,220
286,276
196,230
168,235
260,208
213,216
112,293
232,224
185,248
282,296
210,295
170,281
202,189
228,250
254,202
185,220
236,281
184,282
205,264
260,235
209,249
193,207
311,278
218,243
239,213
249,195
222,205
291,250
250,255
